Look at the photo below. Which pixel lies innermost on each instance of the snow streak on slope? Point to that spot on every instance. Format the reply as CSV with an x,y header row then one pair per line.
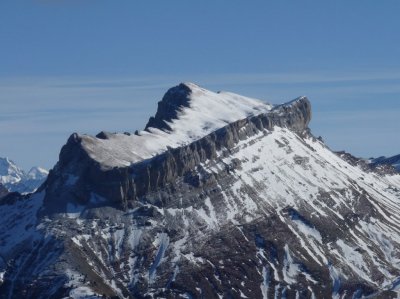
x,y
208,111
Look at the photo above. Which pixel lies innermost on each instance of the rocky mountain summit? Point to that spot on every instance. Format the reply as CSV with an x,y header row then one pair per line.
x,y
220,196
14,179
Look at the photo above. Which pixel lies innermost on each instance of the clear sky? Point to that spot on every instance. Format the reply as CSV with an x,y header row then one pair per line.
x,y
92,65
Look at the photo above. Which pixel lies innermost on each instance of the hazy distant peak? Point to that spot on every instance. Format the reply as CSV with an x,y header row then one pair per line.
x,y
15,179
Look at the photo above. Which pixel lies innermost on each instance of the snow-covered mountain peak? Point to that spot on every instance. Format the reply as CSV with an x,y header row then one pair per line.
x,y
37,173
190,103
16,179
10,173
186,113
154,157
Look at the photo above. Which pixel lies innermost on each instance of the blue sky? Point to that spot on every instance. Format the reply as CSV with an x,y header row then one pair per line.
x,y
92,65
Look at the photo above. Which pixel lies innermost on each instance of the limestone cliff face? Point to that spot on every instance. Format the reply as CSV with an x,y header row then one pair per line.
x,y
77,176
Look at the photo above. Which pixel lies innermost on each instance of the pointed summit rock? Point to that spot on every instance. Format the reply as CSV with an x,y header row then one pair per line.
x,y
171,104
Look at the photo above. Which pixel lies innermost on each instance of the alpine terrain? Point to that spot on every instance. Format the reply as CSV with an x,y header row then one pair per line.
x,y
220,196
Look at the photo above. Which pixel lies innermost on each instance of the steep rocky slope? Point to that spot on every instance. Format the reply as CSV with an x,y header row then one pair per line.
x,y
220,196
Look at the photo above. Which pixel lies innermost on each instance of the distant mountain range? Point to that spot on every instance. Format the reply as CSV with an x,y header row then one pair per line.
x,y
381,165
14,179
394,161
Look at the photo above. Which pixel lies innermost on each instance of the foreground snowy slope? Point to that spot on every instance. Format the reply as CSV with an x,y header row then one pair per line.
x,y
253,208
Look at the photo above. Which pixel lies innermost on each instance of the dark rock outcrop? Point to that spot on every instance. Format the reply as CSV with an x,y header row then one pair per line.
x,y
169,107
3,191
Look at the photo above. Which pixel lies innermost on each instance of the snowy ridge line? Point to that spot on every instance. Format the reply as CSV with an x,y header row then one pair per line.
x,y
204,113
299,107
186,113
